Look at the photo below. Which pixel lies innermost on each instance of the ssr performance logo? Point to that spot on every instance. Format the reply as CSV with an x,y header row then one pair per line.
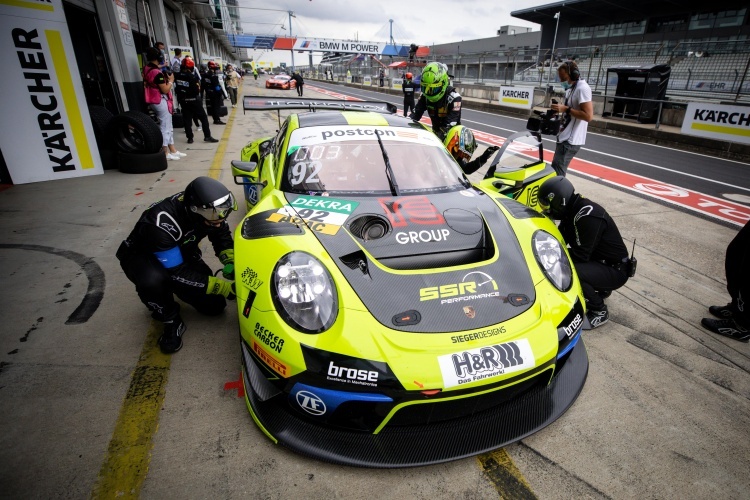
x,y
486,362
473,286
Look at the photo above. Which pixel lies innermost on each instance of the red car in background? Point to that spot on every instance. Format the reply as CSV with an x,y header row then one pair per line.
x,y
283,82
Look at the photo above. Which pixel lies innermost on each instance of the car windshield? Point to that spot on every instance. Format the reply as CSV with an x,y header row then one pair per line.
x,y
521,151
348,159
282,77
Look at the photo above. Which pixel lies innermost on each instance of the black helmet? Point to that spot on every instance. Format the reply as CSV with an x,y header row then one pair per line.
x,y
555,196
209,199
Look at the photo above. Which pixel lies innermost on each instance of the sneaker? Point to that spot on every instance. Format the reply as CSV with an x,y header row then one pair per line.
x,y
199,128
171,340
728,328
597,318
220,123
179,154
170,156
722,312
210,139
190,141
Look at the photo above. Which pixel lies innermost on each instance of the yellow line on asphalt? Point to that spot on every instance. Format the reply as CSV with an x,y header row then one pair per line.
x,y
505,476
129,451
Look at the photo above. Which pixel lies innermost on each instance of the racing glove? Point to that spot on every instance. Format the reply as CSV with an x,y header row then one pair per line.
x,y
488,152
218,286
226,257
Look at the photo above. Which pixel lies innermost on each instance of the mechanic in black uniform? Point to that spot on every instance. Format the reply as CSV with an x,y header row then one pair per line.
x,y
735,316
408,88
441,101
595,245
187,88
162,258
214,94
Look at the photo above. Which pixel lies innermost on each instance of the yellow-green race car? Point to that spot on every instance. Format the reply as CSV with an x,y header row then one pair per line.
x,y
391,313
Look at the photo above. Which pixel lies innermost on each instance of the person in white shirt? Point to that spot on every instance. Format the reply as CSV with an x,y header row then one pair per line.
x,y
577,111
176,60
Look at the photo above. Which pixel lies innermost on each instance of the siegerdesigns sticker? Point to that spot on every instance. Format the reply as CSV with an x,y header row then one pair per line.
x,y
321,214
482,363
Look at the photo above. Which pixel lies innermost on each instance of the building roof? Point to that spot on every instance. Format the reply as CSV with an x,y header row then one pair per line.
x,y
596,12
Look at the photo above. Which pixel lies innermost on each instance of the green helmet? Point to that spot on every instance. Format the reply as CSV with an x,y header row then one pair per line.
x,y
434,81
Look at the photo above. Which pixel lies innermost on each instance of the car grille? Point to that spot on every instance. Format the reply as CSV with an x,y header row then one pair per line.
x,y
438,411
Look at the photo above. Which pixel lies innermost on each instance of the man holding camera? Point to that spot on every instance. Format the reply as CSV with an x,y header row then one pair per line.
x,y
577,111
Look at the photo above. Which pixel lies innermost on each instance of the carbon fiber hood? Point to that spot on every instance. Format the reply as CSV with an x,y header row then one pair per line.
x,y
401,254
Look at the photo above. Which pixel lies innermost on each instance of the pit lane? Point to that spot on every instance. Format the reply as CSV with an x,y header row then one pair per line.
x,y
664,412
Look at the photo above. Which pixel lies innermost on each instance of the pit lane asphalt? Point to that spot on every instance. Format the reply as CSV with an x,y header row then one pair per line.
x,y
664,413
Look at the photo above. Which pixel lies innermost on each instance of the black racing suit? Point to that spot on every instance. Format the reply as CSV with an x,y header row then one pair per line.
x,y
444,113
596,247
409,88
469,167
161,257
187,88
300,83
737,266
214,95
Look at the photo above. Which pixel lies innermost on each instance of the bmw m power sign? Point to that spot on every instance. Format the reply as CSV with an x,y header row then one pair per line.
x,y
47,133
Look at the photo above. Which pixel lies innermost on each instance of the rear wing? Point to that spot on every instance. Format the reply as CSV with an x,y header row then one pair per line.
x,y
256,103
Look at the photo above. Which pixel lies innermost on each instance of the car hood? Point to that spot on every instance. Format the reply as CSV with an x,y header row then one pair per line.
x,y
425,263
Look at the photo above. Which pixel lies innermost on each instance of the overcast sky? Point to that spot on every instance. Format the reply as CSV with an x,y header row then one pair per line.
x,y
424,22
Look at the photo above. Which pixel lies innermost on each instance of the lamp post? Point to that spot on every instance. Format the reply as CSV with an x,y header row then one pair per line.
x,y
552,55
291,15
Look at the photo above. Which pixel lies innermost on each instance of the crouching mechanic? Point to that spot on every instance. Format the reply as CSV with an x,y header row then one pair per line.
x,y
461,144
599,255
161,256
441,101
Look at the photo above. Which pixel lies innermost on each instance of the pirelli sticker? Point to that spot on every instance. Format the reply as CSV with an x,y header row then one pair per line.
x,y
273,363
321,214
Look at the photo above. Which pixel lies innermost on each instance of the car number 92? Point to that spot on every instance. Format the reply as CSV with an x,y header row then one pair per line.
x,y
307,163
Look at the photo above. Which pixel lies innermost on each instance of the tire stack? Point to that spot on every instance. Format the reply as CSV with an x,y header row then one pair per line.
x,y
101,118
138,141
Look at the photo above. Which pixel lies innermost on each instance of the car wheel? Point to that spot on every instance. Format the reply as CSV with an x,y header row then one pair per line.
x,y
101,118
133,163
136,132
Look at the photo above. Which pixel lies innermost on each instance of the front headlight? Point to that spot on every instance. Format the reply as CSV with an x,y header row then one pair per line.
x,y
553,260
304,293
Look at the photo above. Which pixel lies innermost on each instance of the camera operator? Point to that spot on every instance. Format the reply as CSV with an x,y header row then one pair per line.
x,y
577,111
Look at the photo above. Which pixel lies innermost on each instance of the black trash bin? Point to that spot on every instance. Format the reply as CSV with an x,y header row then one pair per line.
x,y
647,81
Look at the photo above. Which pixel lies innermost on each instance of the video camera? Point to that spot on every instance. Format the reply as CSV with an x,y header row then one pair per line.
x,y
544,122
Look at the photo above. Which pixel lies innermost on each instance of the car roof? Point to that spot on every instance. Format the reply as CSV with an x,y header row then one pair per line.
x,y
331,117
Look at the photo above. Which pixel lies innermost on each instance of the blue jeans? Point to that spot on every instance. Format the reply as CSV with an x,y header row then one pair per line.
x,y
564,152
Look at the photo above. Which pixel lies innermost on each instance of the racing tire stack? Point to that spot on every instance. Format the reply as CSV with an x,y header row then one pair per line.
x,y
101,118
139,143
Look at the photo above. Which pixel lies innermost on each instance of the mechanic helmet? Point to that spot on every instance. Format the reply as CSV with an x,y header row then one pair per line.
x,y
555,196
188,63
409,76
460,143
209,199
434,81
212,65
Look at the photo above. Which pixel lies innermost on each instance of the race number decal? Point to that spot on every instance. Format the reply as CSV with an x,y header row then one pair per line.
x,y
321,214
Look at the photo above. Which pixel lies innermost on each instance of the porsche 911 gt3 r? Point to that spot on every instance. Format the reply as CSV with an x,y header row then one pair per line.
x,y
392,314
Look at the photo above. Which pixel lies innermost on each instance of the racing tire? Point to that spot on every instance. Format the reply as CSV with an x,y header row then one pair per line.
x,y
101,118
134,163
109,158
177,120
135,132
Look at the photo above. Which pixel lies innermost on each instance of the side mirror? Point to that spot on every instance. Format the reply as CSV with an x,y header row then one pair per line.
x,y
241,170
